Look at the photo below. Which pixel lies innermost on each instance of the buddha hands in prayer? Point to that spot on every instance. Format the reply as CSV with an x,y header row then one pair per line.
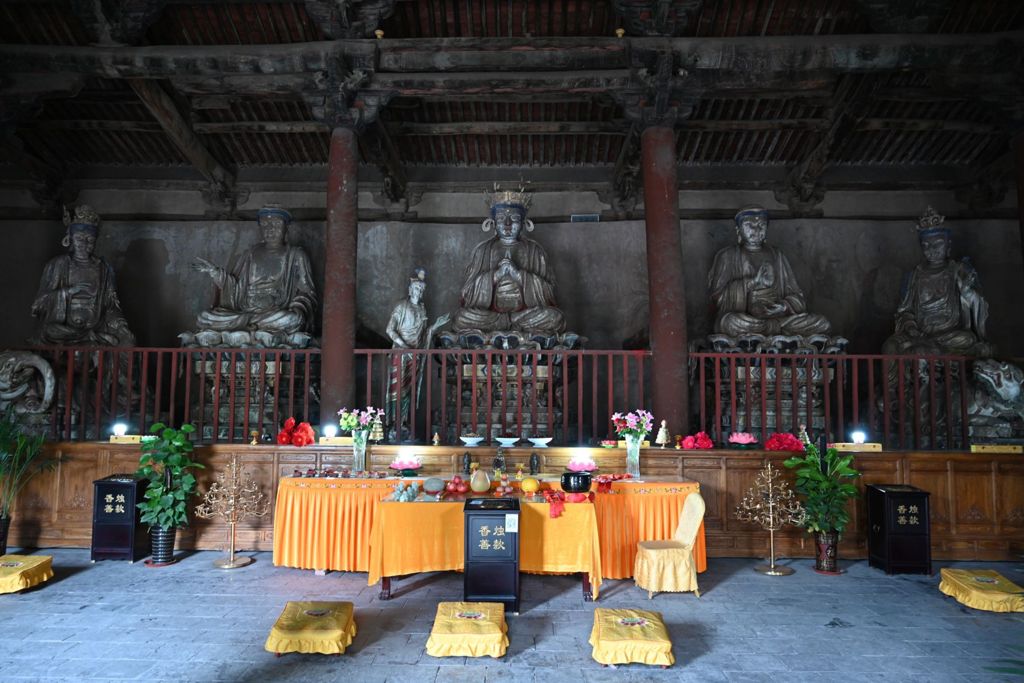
x,y
509,284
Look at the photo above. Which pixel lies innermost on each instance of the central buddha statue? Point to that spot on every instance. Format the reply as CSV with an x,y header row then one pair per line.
x,y
266,300
509,285
754,288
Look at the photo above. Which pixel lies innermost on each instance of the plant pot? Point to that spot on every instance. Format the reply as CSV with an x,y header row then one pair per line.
x,y
162,544
576,482
826,544
5,526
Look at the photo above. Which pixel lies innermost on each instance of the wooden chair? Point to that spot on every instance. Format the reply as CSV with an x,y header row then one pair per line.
x,y
668,566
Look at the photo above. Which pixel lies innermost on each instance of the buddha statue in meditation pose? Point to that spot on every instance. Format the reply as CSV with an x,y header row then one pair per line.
x,y
77,298
941,310
509,284
267,300
754,288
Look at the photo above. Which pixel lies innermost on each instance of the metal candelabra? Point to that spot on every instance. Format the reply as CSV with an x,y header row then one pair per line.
x,y
770,503
233,500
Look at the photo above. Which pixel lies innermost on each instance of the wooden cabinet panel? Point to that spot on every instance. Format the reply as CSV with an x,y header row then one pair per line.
x,y
977,501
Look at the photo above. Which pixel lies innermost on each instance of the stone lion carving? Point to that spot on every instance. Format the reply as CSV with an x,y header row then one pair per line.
x,y
996,406
26,382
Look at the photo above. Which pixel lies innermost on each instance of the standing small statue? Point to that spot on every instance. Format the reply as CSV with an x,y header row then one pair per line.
x,y
267,300
534,464
77,297
754,289
662,439
941,310
407,329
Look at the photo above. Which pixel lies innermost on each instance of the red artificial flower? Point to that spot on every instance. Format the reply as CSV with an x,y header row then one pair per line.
x,y
284,438
289,424
689,443
703,441
784,441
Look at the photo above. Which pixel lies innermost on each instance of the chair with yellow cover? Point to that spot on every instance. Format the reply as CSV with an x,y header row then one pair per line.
x,y
668,566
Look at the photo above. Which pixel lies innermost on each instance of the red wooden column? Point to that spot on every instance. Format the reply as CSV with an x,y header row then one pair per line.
x,y
337,361
665,279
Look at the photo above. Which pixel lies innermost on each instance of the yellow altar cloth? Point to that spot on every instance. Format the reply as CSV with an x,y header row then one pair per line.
x,y
325,628
326,523
984,589
409,538
641,511
468,629
18,572
623,636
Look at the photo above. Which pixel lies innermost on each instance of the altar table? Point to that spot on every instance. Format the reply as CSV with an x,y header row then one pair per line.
x,y
325,524
409,538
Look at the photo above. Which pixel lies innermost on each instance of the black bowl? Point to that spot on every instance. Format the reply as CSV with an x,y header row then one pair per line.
x,y
576,482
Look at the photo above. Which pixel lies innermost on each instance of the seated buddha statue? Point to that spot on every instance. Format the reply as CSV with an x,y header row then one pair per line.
x,y
268,299
509,285
77,297
941,310
754,289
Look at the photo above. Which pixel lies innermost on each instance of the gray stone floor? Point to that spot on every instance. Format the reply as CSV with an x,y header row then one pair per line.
x,y
192,622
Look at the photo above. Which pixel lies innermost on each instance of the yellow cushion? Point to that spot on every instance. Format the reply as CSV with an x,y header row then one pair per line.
x,y
18,572
623,636
325,628
468,629
984,589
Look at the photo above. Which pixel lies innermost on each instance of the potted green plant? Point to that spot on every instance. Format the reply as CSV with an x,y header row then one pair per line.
x,y
824,482
21,458
165,463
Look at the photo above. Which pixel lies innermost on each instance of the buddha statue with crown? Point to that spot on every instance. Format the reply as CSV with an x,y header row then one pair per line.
x,y
77,297
509,288
267,300
941,310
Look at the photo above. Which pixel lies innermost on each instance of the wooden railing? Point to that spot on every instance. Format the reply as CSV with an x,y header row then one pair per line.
x,y
906,402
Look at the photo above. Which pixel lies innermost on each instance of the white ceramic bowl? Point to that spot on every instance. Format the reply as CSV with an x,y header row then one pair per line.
x,y
507,441
540,441
471,440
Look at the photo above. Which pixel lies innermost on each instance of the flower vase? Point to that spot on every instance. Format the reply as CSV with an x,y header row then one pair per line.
x,y
359,439
633,454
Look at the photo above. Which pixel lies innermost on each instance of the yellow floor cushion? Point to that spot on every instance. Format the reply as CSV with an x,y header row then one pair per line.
x,y
18,572
984,589
319,627
623,636
468,629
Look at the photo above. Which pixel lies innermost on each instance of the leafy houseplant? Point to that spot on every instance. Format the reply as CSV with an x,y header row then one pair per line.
x,y
824,482
165,462
21,459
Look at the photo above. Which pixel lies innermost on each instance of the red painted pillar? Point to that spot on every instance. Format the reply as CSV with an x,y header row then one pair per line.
x,y
337,360
665,279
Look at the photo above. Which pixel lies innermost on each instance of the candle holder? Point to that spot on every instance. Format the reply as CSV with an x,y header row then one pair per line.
x,y
770,503
233,499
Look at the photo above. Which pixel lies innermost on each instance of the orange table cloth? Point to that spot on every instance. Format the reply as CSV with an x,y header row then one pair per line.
x,y
409,538
325,524
641,511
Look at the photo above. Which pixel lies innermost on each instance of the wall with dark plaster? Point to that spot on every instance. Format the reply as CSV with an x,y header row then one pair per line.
x,y
850,270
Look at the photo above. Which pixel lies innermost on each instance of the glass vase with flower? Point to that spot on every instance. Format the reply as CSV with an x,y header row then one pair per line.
x,y
633,427
360,423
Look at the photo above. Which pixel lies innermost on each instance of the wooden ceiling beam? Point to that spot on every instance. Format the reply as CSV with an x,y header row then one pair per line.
x,y
178,129
125,26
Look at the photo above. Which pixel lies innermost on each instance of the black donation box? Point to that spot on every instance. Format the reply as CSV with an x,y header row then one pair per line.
x,y
899,532
492,551
117,533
